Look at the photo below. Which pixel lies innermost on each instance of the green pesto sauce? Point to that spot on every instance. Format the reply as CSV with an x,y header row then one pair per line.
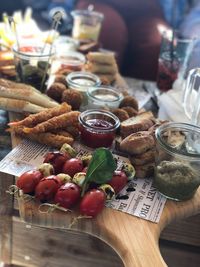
x,y
176,180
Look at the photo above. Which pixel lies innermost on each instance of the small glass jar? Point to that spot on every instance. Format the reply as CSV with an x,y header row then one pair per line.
x,y
33,63
98,128
66,62
87,24
177,172
81,81
65,44
103,97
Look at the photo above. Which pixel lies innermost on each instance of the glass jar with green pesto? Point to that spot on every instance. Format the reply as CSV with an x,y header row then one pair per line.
x,y
177,171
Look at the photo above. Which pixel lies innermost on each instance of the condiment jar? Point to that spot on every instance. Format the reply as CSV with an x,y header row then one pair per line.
x,y
103,97
81,81
66,62
98,128
177,172
33,63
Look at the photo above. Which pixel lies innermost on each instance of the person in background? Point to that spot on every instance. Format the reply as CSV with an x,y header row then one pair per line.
x,y
130,28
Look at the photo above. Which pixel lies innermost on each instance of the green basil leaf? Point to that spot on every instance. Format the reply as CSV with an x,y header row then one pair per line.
x,y
101,167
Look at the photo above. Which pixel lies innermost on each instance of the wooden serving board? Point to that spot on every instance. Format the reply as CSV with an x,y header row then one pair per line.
x,y
134,239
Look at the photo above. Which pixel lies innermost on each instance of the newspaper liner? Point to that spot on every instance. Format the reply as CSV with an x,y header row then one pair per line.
x,y
138,198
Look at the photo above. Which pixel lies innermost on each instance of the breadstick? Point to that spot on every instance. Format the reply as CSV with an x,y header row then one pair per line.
x,y
58,122
32,96
17,105
50,139
45,115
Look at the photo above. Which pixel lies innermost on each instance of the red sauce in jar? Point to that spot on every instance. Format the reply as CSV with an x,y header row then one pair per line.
x,y
97,134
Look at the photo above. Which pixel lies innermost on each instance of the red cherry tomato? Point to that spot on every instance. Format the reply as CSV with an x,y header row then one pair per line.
x,y
72,166
57,159
118,181
29,180
47,188
92,203
67,195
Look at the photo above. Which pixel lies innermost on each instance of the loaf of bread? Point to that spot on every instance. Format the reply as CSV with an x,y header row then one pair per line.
x,y
141,122
137,143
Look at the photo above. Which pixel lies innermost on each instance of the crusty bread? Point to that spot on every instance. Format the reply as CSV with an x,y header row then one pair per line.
x,y
146,157
137,143
141,122
144,171
17,105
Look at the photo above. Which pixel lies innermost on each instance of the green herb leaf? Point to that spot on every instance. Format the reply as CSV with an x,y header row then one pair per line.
x,y
101,167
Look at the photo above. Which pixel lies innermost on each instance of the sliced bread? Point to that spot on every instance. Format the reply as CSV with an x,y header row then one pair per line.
x,y
141,122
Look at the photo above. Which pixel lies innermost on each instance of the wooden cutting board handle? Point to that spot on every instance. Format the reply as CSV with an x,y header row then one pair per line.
x,y
134,239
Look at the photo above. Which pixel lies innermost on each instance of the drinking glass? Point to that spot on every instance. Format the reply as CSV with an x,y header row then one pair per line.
x,y
191,96
171,57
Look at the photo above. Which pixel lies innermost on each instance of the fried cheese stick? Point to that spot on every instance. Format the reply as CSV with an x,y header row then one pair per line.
x,y
58,122
49,139
45,115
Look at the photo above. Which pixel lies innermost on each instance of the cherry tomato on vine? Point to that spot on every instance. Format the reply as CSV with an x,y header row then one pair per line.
x,y
72,166
67,195
56,159
29,180
118,181
47,188
92,202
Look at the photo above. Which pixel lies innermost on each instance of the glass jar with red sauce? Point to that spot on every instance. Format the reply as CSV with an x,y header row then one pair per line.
x,y
98,128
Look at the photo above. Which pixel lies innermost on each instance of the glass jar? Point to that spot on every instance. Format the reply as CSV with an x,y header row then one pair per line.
x,y
103,97
177,172
98,128
66,62
87,24
65,44
81,81
33,63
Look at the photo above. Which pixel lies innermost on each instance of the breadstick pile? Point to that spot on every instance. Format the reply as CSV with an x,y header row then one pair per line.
x,y
53,127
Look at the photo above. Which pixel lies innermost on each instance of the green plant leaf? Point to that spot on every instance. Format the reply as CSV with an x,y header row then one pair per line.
x,y
101,167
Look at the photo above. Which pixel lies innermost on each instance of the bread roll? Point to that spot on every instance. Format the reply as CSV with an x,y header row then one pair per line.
x,y
144,171
141,122
144,158
137,143
129,101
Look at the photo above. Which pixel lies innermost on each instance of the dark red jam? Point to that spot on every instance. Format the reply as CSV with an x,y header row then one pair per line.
x,y
97,134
